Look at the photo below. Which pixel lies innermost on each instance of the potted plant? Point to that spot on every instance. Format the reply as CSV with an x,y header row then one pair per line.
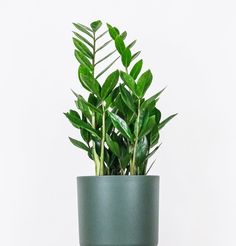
x,y
119,129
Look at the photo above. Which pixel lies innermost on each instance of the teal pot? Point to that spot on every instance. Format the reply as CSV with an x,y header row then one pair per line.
x,y
118,210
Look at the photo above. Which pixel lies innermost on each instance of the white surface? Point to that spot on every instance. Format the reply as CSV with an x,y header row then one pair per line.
x,y
189,45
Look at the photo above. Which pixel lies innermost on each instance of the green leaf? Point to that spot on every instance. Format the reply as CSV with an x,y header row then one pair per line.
x,y
121,106
153,152
150,167
123,35
96,25
135,55
140,121
143,83
125,157
83,39
136,69
83,60
90,105
127,98
84,133
154,136
104,70
142,151
157,114
110,99
104,45
80,103
109,84
151,99
91,83
83,29
148,126
92,99
85,70
121,126
78,123
164,122
105,57
129,81
131,45
101,35
82,48
126,57
120,45
79,144
74,113
114,146
114,32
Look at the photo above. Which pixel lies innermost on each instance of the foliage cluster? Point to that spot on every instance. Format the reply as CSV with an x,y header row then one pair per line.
x,y
119,126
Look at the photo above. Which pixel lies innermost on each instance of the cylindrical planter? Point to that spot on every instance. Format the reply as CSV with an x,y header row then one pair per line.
x,y
118,210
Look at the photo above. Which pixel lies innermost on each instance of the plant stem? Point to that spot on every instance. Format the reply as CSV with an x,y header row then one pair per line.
x,y
95,155
103,139
133,164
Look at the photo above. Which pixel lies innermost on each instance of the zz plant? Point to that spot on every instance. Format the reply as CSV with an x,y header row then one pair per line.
x,y
119,126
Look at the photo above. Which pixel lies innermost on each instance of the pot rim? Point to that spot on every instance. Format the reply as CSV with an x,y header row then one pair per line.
x,y
118,176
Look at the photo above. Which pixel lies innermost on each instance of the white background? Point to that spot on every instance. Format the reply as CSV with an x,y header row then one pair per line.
x,y
190,47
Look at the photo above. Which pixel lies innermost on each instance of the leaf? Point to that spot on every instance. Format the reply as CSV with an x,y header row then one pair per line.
x,y
83,39
92,107
92,99
132,44
150,167
154,136
143,83
157,114
127,98
121,106
79,144
83,29
96,25
113,31
164,122
121,126
74,113
126,57
80,103
125,156
78,123
110,99
153,152
148,126
135,55
104,45
104,70
84,133
109,84
91,83
136,69
83,60
105,57
114,146
82,48
101,35
120,45
151,99
124,35
129,81
142,120
142,151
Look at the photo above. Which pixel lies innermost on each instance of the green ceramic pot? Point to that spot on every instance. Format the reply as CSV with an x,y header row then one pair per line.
x,y
118,210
